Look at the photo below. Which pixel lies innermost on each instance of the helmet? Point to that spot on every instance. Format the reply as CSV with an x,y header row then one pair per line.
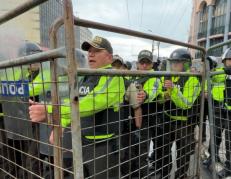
x,y
128,65
80,59
28,48
226,55
181,55
212,62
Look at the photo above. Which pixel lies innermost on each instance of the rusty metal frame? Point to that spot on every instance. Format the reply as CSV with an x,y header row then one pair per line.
x,y
210,105
38,57
73,85
85,23
69,20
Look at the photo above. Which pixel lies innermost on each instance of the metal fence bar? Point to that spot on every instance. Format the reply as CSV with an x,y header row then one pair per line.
x,y
120,30
218,45
211,118
100,26
73,85
210,105
56,117
24,7
202,103
84,71
69,21
58,159
38,57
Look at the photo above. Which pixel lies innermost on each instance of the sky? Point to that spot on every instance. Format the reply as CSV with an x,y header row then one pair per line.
x,y
169,18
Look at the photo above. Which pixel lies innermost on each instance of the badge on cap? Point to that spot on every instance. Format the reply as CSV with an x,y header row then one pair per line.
x,y
97,40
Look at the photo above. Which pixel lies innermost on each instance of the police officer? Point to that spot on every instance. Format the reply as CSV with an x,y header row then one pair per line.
x,y
127,65
221,92
142,127
179,117
20,129
117,62
45,150
100,99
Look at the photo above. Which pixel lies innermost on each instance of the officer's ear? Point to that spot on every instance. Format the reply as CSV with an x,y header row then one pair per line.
x,y
110,57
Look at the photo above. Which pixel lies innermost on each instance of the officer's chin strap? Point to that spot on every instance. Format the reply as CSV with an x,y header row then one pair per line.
x,y
227,70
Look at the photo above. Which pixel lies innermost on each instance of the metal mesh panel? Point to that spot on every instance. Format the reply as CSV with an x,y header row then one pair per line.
x,y
122,150
27,151
120,137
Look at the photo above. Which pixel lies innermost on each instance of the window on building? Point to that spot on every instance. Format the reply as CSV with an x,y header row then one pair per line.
x,y
218,19
218,51
203,22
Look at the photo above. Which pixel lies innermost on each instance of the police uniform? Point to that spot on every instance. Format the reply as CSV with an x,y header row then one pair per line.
x,y
46,151
16,122
217,93
100,98
138,147
39,83
180,118
221,92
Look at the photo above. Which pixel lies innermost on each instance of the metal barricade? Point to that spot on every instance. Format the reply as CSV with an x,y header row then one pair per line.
x,y
66,142
218,114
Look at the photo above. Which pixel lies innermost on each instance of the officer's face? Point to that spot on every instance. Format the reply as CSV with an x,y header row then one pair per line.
x,y
117,64
98,58
228,62
145,65
177,67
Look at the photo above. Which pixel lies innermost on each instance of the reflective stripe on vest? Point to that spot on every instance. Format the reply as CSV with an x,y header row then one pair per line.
x,y
98,137
180,118
227,107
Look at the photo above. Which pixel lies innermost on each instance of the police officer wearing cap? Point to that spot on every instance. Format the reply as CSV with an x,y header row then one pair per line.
x,y
99,106
46,151
117,62
127,65
147,90
181,96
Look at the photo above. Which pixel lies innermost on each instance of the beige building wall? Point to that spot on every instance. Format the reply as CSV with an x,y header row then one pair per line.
x,y
27,24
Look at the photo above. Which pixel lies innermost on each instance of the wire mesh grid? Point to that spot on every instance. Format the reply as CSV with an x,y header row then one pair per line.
x,y
115,143
121,136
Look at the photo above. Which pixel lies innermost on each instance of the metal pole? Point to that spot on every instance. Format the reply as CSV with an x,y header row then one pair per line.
x,y
201,116
58,159
38,57
24,7
211,119
227,20
73,84
210,106
86,71
110,28
95,25
218,45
